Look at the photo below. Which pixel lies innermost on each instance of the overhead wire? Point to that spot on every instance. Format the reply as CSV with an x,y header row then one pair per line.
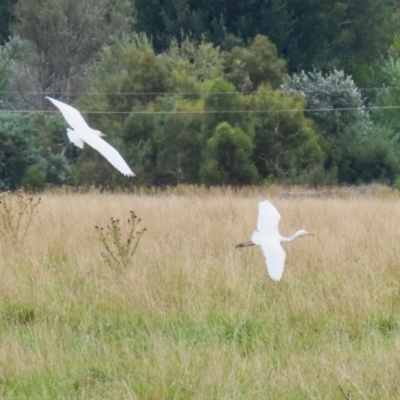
x,y
203,92
257,111
265,111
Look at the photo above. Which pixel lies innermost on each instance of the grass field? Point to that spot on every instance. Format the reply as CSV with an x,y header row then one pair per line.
x,y
195,318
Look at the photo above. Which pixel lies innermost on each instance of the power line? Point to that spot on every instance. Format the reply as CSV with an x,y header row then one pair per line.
x,y
212,111
202,92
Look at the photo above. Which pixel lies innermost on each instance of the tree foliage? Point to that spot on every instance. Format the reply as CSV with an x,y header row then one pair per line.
x,y
3,76
222,104
57,40
228,157
24,158
199,59
333,101
248,67
386,100
375,160
346,34
179,144
16,154
201,94
286,143
128,72
6,19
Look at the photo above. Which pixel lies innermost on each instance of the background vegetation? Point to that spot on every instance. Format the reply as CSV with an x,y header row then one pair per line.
x,y
199,92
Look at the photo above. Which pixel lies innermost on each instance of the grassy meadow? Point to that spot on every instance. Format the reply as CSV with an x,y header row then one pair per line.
x,y
193,317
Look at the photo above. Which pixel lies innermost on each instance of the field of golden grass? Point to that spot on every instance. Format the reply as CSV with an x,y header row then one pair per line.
x,y
195,318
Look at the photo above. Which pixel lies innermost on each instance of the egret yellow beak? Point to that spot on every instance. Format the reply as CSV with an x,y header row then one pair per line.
x,y
103,135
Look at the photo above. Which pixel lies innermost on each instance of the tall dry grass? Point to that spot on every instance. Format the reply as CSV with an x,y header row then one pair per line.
x,y
195,318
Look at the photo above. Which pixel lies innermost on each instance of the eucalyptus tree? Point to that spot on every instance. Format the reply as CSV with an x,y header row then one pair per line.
x,y
56,42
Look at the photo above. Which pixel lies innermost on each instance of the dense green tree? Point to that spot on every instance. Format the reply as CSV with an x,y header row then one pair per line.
x,y
150,21
179,144
200,59
228,157
165,21
387,98
213,20
16,152
286,143
223,103
3,76
346,34
56,152
248,67
139,143
6,19
374,160
178,16
33,152
378,158
128,73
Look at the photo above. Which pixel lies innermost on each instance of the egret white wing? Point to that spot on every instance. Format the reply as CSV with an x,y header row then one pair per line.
x,y
107,151
268,218
71,115
274,257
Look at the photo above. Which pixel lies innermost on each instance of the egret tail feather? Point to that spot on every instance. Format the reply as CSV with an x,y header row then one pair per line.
x,y
256,238
74,138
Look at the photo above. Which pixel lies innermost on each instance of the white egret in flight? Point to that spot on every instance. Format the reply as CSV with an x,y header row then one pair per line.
x,y
81,132
270,240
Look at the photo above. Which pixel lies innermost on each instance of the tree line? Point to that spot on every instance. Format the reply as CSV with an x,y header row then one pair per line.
x,y
202,92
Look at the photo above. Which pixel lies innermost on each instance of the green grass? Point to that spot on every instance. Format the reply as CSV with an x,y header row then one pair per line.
x,y
193,318
97,348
